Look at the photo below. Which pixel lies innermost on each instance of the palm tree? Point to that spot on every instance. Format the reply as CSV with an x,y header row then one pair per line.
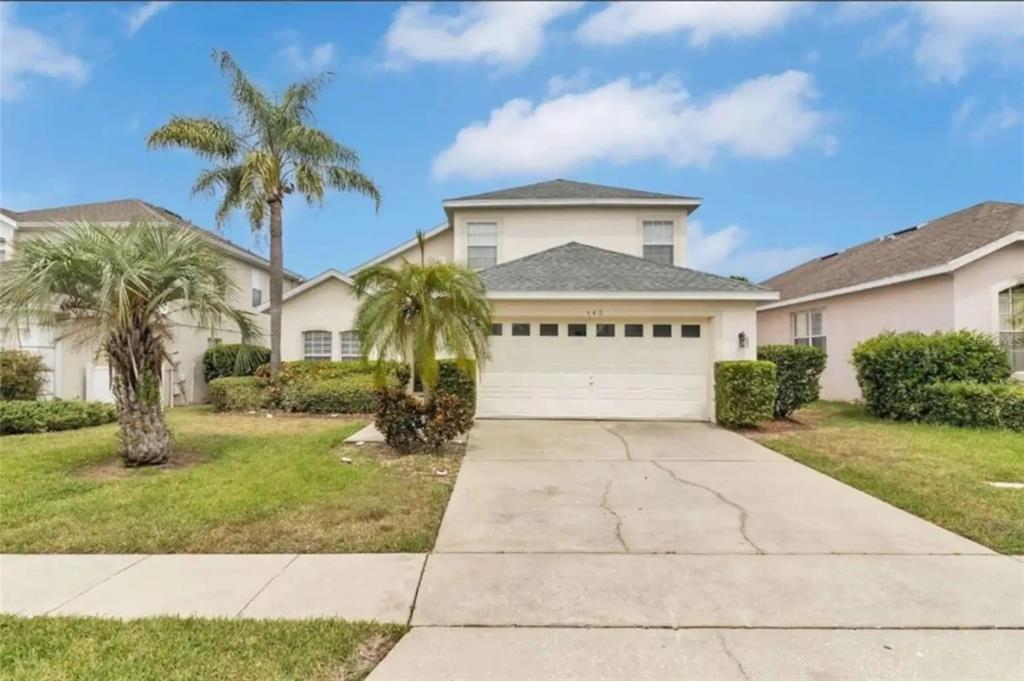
x,y
119,288
412,311
275,151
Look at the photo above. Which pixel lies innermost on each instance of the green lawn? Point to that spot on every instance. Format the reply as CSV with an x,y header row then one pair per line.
x,y
935,472
242,484
164,648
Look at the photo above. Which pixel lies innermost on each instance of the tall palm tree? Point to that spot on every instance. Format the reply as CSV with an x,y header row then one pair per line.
x,y
119,288
275,151
412,311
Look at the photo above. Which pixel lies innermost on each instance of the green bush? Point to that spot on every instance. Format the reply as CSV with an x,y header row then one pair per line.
x,y
233,359
447,416
745,392
239,393
399,417
352,394
41,416
21,375
799,369
1011,407
895,370
975,405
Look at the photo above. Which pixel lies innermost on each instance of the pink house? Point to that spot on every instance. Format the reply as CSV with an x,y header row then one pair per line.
x,y
961,271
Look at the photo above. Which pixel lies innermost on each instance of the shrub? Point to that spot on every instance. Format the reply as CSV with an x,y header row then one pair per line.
x,y
799,369
409,422
21,375
1011,407
41,416
233,359
239,393
975,405
894,370
447,416
459,381
352,394
745,392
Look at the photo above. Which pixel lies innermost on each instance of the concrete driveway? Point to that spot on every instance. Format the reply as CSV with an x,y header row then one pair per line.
x,y
586,550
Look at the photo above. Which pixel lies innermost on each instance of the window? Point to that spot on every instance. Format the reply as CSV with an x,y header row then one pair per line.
x,y
316,344
809,328
1011,324
634,331
689,331
659,240
257,297
256,283
350,346
605,331
661,330
496,329
521,329
482,244
213,342
576,330
549,329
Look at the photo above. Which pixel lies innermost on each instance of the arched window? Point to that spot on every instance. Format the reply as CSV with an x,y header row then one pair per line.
x,y
1011,324
316,345
350,346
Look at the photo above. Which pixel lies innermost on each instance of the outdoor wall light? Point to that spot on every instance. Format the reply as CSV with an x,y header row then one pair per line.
x,y
743,339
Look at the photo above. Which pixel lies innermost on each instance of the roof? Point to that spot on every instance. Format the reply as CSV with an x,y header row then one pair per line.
x,y
311,283
124,211
570,193
578,268
925,250
404,246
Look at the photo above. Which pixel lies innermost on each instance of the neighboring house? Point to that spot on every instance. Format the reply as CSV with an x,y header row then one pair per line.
x,y
961,271
596,315
79,371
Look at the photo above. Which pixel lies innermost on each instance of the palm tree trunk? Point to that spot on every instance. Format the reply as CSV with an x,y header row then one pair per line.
x,y
276,285
411,358
144,438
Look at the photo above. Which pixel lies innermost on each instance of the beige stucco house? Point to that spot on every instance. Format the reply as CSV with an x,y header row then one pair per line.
x,y
596,314
960,271
78,371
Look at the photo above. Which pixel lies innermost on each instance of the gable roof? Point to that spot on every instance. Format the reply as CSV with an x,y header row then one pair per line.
x,y
404,246
123,211
309,284
570,193
935,247
576,269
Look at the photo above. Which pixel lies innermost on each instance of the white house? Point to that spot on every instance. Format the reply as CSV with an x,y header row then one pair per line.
x,y
596,314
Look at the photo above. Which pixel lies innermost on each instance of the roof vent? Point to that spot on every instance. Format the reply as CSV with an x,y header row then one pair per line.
x,y
830,255
901,232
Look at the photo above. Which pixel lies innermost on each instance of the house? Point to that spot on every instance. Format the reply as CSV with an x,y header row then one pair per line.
x,y
79,372
960,271
595,312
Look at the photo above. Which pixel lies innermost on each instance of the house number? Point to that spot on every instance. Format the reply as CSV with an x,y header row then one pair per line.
x,y
595,313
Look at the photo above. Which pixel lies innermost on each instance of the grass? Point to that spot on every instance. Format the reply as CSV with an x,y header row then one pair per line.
x,y
245,484
165,648
935,472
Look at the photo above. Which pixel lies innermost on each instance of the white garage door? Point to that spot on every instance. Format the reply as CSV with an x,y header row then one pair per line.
x,y
632,369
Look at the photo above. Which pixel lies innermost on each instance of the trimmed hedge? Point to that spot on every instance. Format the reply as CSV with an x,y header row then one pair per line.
x,y
745,392
233,359
238,393
21,375
975,405
353,394
42,416
895,370
410,422
453,377
799,369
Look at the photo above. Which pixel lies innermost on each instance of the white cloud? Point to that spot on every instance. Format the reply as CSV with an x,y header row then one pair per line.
x,y
319,57
724,252
623,121
558,85
957,33
138,17
25,53
502,33
978,125
621,22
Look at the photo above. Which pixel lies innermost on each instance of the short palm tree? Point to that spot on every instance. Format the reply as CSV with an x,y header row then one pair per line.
x,y
415,310
120,289
275,151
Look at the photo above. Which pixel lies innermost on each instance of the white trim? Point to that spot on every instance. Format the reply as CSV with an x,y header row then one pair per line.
x,y
429,234
306,285
633,295
519,203
946,268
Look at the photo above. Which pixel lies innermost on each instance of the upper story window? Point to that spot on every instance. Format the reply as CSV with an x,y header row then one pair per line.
x,y
481,244
809,328
316,345
256,278
1011,324
659,240
350,349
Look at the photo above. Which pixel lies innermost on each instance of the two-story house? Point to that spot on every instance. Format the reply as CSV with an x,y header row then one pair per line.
x,y
596,314
78,371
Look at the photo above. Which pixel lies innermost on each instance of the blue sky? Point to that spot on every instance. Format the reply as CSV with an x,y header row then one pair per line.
x,y
805,128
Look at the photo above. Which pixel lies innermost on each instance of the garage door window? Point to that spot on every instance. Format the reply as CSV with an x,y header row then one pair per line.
x,y
605,331
576,330
633,331
689,331
496,329
549,329
520,329
661,330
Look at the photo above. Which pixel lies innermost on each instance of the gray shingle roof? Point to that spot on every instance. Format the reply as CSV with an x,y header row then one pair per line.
x,y
578,267
567,189
930,245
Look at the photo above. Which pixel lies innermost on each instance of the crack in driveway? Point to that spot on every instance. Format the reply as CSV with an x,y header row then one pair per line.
x,y
721,497
729,653
625,445
614,514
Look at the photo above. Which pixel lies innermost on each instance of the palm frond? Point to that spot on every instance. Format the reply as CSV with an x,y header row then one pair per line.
x,y
254,105
350,180
208,137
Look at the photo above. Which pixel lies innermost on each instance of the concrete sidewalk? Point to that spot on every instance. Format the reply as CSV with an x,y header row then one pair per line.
x,y
350,586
